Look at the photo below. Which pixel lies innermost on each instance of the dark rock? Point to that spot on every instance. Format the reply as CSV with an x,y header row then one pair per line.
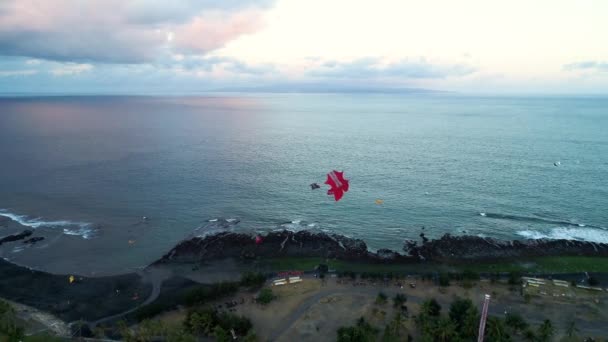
x,y
16,237
33,240
307,244
387,254
449,248
276,244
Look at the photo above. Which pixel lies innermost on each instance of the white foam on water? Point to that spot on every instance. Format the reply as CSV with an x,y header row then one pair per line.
x,y
482,214
18,249
566,233
83,229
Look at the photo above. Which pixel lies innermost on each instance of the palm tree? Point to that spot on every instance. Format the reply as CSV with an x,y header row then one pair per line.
x,y
445,330
496,330
571,329
545,331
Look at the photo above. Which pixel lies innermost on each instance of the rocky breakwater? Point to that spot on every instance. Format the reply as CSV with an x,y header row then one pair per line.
x,y
275,244
307,244
455,248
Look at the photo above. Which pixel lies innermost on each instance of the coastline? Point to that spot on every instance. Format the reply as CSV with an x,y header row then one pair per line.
x,y
193,262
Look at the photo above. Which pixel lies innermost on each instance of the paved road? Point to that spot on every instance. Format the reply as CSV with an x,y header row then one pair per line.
x,y
156,285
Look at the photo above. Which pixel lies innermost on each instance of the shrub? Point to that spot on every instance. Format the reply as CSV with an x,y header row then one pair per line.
x,y
399,300
516,322
470,275
444,280
381,298
265,296
361,332
251,279
514,278
593,281
202,294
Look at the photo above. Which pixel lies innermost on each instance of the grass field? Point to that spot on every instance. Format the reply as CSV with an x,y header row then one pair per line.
x,y
565,264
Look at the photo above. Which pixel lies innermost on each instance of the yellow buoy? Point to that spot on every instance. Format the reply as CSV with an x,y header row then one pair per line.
x,y
379,201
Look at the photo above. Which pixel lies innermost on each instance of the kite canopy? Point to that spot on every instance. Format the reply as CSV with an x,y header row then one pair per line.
x,y
338,185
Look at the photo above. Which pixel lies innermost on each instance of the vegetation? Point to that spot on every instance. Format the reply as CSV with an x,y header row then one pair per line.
x,y
496,330
9,329
252,279
153,329
561,264
202,294
266,296
361,332
444,280
465,317
545,331
399,300
396,330
514,278
210,322
516,323
593,281
381,298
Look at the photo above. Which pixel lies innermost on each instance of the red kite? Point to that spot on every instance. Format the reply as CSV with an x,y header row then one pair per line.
x,y
338,184
258,240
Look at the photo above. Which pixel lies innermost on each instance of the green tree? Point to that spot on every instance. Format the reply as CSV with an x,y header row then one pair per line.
x,y
516,323
381,298
252,279
201,321
399,300
529,335
571,329
361,332
431,308
266,296
445,330
395,330
250,337
496,330
9,329
220,334
545,331
465,316
444,280
514,278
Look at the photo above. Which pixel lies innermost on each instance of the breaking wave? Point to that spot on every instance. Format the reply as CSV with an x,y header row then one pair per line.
x,y
215,225
533,219
567,233
298,225
82,229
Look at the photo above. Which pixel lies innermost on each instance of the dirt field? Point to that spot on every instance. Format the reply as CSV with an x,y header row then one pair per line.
x,y
313,310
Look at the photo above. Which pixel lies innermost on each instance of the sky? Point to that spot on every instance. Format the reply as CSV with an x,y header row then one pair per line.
x,y
191,46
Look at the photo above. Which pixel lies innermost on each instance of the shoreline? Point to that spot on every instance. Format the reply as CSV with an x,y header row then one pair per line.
x,y
229,255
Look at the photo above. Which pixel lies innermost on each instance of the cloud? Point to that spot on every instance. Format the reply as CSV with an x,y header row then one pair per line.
x,y
116,31
587,65
71,69
373,68
25,72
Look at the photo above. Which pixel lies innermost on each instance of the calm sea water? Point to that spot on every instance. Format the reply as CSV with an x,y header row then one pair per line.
x,y
83,171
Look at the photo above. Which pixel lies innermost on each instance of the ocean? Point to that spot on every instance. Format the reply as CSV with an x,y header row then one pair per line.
x,y
83,171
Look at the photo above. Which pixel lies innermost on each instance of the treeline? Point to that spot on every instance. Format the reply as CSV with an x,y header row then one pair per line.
x,y
461,323
199,295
